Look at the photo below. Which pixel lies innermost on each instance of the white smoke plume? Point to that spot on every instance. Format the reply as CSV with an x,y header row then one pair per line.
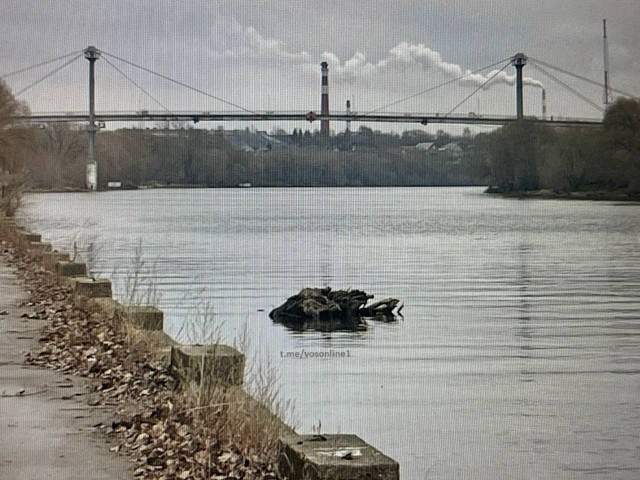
x,y
405,56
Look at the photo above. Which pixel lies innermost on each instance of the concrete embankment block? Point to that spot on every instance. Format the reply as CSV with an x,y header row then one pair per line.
x,y
217,363
55,257
335,457
110,307
90,288
28,236
141,316
39,247
71,269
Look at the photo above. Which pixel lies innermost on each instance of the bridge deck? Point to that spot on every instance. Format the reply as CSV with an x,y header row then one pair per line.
x,y
196,117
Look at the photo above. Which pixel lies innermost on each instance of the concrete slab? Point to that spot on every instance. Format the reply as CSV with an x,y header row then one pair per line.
x,y
141,316
28,236
90,288
40,247
50,259
333,457
46,427
218,363
71,269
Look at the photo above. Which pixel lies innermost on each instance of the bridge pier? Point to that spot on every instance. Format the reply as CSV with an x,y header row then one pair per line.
x,y
92,54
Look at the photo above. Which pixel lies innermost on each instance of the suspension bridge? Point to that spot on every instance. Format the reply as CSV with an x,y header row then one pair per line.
x,y
96,120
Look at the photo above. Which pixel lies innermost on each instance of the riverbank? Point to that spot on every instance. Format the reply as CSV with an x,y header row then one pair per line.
x,y
547,194
166,432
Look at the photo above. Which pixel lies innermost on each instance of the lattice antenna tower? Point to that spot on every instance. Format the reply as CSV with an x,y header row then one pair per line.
x,y
605,56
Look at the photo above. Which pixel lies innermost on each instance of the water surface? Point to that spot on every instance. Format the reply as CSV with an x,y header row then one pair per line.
x,y
519,355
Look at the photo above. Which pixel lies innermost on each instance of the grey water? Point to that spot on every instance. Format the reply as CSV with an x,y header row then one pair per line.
x,y
519,353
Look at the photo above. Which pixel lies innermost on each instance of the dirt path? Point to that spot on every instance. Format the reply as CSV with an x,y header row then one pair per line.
x,y
46,426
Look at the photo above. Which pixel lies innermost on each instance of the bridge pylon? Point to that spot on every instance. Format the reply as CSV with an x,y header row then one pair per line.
x,y
92,54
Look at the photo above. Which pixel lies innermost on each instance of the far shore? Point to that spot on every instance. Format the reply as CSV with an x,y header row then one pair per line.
x,y
547,194
544,194
243,187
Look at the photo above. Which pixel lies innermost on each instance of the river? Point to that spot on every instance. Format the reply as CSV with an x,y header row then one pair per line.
x,y
519,353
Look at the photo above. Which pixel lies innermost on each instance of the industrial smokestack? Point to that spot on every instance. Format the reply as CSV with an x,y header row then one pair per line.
x,y
544,103
348,114
324,105
519,61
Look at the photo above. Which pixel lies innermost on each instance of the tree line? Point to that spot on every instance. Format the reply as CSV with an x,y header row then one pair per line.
x,y
528,156
198,157
519,157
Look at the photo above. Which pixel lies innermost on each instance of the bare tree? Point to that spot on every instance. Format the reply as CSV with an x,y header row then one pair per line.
x,y
12,136
13,139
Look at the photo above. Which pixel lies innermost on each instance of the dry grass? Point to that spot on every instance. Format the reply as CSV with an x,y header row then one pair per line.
x,y
138,286
234,418
201,430
251,418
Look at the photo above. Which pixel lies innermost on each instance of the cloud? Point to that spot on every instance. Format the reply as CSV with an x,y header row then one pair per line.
x,y
256,48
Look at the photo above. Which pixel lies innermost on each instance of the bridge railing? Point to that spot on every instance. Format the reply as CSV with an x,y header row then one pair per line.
x,y
296,115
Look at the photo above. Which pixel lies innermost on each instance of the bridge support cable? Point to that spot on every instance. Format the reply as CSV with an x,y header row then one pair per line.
x,y
567,87
44,77
156,101
436,87
579,77
182,84
37,65
495,74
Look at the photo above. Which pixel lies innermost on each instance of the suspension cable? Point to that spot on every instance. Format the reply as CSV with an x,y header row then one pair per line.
x,y
177,82
138,86
579,77
41,64
477,89
431,89
43,78
572,90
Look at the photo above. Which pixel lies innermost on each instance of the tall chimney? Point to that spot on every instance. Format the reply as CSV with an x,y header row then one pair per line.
x,y
519,60
544,103
324,106
348,114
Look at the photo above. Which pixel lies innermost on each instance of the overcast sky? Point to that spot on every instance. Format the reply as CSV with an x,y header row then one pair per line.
x,y
265,55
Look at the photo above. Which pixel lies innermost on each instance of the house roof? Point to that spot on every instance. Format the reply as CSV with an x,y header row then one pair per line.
x,y
426,146
452,147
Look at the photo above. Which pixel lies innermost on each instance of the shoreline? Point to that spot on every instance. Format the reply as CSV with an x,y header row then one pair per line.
x,y
238,187
149,420
542,194
546,194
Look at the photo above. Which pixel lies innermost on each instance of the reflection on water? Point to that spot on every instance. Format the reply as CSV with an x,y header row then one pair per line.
x,y
519,353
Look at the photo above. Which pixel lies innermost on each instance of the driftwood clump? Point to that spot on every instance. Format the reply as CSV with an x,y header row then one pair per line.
x,y
328,309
